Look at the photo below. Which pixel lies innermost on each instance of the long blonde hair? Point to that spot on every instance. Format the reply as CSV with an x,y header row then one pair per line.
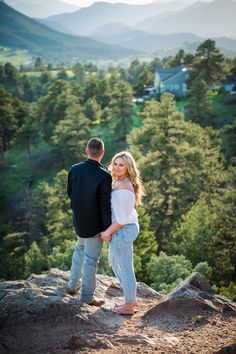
x,y
132,173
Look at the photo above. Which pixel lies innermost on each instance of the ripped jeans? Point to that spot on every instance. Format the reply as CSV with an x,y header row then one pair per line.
x,y
121,259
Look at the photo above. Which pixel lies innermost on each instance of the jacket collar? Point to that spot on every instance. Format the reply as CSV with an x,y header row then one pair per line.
x,y
96,163
93,162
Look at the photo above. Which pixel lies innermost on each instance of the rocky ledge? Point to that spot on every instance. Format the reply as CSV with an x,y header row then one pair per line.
x,y
38,316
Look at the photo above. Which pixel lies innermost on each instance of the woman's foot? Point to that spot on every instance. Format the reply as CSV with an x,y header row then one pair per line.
x,y
127,308
134,303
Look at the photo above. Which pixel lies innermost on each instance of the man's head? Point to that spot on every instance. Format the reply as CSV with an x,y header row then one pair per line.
x,y
95,149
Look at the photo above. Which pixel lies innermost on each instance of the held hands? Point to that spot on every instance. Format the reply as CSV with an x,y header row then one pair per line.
x,y
105,236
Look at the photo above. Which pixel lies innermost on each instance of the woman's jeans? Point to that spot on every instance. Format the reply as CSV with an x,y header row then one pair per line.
x,y
121,259
84,264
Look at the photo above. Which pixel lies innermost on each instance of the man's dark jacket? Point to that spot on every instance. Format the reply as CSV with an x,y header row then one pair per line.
x,y
89,189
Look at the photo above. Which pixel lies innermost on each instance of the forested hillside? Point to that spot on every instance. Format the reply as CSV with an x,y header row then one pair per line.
x,y
185,150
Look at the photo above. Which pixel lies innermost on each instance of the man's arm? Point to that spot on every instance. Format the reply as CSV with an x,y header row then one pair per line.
x,y
105,201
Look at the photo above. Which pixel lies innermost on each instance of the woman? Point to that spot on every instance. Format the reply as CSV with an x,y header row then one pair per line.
x,y
127,191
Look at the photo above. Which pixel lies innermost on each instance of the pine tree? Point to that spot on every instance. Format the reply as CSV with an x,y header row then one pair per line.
x,y
58,211
121,109
208,63
34,260
71,134
197,108
207,233
177,160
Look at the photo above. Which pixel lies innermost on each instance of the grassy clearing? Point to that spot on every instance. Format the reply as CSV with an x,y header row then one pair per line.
x,y
53,73
223,113
15,57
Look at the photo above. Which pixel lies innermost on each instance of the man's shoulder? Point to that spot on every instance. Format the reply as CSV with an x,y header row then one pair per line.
x,y
77,166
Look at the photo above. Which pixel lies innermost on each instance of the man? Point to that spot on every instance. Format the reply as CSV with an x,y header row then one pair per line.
x,y
89,189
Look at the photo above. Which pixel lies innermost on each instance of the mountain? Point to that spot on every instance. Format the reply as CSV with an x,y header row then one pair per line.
x,y
99,14
42,8
226,48
206,19
20,31
133,38
150,43
54,25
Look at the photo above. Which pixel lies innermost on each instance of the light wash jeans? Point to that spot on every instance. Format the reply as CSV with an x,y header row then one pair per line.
x,y
84,264
121,259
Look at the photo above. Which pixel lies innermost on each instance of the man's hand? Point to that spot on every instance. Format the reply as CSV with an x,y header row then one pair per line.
x,y
105,236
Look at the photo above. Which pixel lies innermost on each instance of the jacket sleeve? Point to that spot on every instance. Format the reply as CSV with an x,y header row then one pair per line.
x,y
104,199
69,184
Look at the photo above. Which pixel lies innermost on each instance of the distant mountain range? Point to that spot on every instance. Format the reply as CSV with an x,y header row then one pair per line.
x,y
155,28
206,19
121,30
129,37
20,31
99,14
203,19
42,8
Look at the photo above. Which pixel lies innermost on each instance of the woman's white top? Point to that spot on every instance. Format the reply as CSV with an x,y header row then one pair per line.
x,y
123,207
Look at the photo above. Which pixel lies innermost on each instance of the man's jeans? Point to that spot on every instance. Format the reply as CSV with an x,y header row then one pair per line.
x,y
121,259
84,264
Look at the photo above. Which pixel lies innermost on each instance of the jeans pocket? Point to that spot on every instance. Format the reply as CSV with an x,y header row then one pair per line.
x,y
130,232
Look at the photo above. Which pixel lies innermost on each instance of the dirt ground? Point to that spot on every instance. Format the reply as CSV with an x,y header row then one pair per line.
x,y
169,335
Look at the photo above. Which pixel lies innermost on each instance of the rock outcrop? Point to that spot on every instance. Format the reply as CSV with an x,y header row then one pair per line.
x,y
191,297
37,315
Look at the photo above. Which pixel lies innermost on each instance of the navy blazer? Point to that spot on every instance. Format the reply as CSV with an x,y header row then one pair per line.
x,y
89,189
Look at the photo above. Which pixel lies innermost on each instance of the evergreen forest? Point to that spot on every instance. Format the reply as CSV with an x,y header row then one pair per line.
x,y
185,149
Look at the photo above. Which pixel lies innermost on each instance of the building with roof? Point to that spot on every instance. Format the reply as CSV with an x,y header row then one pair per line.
x,y
171,80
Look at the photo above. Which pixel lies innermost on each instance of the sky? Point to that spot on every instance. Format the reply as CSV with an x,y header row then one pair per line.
x,y
84,3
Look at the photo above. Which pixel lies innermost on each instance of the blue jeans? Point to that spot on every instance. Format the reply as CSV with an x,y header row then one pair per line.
x,y
84,264
121,259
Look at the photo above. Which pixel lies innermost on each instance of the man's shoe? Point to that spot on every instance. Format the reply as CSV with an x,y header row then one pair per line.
x,y
72,291
96,302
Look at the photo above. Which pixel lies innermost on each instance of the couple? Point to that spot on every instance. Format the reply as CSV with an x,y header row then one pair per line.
x,y
104,210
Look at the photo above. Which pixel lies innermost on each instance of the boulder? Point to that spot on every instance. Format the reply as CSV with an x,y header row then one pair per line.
x,y
193,297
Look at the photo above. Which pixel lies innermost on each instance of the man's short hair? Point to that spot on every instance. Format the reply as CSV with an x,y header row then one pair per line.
x,y
95,147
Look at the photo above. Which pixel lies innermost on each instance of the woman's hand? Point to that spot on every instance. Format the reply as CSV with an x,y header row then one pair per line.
x,y
105,236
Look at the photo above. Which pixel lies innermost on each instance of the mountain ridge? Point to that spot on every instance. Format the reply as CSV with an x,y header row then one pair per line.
x,y
87,19
20,31
200,18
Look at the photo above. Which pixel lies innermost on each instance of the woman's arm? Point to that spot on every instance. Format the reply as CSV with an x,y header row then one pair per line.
x,y
106,235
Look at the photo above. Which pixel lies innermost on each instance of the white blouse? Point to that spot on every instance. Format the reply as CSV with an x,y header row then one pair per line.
x,y
123,207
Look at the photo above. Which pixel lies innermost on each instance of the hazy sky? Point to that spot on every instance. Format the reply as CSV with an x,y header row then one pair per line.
x,y
84,3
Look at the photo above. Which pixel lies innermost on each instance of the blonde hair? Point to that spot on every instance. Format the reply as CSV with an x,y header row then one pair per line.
x,y
132,173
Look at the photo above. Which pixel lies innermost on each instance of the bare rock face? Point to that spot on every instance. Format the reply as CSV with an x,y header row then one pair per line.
x,y
192,297
37,315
